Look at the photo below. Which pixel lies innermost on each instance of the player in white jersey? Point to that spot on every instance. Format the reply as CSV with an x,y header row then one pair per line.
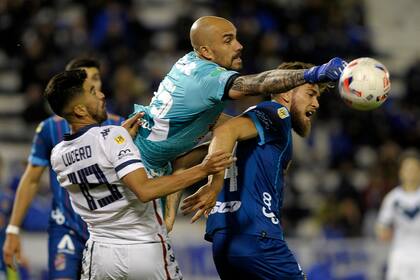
x,y
103,172
399,221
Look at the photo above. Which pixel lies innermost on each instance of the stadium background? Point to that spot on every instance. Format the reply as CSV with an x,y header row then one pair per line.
x,y
339,175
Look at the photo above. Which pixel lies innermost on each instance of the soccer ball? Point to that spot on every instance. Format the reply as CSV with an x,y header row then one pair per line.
x,y
364,84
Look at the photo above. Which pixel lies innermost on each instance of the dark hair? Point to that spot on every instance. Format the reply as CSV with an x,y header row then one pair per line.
x,y
297,65
63,87
409,154
82,62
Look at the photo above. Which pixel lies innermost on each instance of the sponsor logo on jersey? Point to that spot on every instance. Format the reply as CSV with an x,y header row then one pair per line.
x,y
226,207
282,112
268,213
66,245
58,216
119,139
105,132
60,262
124,153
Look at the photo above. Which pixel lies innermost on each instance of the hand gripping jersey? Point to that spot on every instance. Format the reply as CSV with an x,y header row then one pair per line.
x,y
90,164
49,133
187,103
252,196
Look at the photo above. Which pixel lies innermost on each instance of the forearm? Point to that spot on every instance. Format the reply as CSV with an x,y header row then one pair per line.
x,y
172,204
268,82
25,193
158,187
226,136
384,233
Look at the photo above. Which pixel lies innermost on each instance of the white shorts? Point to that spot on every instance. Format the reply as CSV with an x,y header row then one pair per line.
x,y
149,261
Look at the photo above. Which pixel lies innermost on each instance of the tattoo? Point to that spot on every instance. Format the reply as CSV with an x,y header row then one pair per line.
x,y
269,82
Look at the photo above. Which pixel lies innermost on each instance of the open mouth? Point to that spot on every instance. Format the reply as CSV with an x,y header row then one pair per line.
x,y
309,114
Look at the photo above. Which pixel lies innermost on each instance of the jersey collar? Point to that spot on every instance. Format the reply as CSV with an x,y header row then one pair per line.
x,y
68,137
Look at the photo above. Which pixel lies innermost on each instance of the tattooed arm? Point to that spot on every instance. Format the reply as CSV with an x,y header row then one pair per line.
x,y
266,83
282,80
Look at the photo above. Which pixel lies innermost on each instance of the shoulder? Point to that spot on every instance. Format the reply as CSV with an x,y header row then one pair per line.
x,y
56,151
114,119
112,133
394,194
270,110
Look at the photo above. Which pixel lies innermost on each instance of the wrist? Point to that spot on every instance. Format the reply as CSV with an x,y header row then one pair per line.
x,y
309,75
12,229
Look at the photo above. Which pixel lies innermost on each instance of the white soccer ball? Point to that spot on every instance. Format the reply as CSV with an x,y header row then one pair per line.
x,y
364,84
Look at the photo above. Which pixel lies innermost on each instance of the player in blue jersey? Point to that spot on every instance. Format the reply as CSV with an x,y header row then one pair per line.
x,y
192,95
245,224
67,232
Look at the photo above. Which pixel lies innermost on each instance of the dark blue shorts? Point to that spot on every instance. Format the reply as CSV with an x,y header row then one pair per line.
x,y
254,257
65,251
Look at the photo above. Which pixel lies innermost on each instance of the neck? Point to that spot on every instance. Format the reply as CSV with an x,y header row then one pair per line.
x,y
76,125
281,101
410,187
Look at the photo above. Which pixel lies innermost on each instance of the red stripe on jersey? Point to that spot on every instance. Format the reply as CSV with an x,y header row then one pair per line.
x,y
165,253
156,213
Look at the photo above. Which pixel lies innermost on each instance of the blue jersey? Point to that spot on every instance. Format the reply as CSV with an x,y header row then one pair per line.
x,y
252,196
48,134
187,103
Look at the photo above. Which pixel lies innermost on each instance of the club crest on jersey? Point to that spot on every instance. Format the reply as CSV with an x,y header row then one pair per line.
x,y
283,113
119,139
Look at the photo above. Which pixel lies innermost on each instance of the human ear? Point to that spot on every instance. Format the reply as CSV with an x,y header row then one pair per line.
x,y
206,52
287,96
80,110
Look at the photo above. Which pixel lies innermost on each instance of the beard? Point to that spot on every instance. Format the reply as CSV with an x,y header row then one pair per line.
x,y
299,125
236,65
100,116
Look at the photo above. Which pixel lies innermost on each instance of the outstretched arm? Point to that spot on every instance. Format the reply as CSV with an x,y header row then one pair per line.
x,y
224,139
266,83
147,189
281,80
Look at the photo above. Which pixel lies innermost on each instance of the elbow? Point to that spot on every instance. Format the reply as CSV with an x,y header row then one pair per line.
x,y
144,196
144,199
222,130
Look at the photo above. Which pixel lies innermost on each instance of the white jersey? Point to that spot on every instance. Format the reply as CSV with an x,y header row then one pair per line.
x,y
90,165
401,211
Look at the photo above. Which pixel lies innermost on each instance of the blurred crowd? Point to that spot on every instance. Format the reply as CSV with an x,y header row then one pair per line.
x,y
338,177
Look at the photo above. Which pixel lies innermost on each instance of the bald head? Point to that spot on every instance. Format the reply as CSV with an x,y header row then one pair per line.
x,y
214,38
203,30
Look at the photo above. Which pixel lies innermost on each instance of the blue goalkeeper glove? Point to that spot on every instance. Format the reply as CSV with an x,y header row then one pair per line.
x,y
327,72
